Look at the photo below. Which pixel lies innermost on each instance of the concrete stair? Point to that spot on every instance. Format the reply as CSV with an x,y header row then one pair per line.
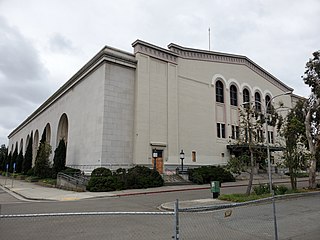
x,y
175,179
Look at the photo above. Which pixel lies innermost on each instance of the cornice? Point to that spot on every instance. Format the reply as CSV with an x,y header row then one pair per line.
x,y
203,55
154,51
107,54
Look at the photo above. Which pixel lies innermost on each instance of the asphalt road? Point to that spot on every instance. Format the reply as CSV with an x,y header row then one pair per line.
x,y
297,219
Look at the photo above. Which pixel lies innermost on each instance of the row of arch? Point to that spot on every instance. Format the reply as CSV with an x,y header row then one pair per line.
x,y
62,133
246,96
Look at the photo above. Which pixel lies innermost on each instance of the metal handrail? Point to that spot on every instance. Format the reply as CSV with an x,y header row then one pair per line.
x,y
76,179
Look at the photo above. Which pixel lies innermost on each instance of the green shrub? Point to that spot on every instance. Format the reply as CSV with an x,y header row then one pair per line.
x,y
261,189
102,179
101,172
30,172
280,190
102,184
143,177
265,189
206,174
71,171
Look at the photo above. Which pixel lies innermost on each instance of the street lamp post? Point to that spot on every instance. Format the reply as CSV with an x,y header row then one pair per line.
x,y
267,138
181,158
155,155
269,162
269,165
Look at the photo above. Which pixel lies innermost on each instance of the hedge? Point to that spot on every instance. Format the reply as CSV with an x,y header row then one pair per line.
x,y
103,180
206,174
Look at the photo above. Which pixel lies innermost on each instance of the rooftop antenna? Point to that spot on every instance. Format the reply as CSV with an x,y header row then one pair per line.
x,y
209,38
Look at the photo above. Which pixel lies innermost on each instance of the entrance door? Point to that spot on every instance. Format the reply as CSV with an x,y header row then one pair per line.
x,y
159,161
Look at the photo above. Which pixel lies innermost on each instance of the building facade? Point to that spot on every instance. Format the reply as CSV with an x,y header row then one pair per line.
x,y
121,107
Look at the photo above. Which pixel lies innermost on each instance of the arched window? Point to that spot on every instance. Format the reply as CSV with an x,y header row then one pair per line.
x,y
63,127
35,146
268,104
219,92
47,131
233,95
246,97
257,99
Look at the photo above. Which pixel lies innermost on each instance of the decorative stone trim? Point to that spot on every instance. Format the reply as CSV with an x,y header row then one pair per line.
x,y
158,144
155,51
202,55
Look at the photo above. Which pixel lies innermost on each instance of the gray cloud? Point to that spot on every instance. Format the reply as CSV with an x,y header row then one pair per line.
x,y
22,78
280,36
59,43
19,60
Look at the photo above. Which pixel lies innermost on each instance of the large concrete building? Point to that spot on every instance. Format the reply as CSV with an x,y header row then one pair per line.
x,y
120,107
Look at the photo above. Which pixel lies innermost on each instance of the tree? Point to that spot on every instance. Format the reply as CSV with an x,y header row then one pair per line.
x,y
42,163
13,160
252,138
239,164
251,135
19,162
7,162
3,157
59,159
311,77
296,152
27,162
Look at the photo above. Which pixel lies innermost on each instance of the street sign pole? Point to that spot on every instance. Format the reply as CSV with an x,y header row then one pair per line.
x,y
14,170
7,167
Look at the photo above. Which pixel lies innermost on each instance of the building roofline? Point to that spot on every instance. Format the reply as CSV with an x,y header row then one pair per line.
x,y
298,97
205,55
106,54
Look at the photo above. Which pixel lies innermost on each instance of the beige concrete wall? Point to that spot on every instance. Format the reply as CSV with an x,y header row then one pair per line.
x,y
118,104
152,96
175,105
199,113
120,109
84,109
98,101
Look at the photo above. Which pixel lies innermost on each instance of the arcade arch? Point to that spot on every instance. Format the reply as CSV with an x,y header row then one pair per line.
x,y
63,127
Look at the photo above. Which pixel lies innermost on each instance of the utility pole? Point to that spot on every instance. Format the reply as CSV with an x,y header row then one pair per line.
x,y
209,38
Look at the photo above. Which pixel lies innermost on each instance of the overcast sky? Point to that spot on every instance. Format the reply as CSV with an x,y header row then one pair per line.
x,y
44,42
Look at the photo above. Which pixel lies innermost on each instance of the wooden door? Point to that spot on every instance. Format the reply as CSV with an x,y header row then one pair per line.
x,y
159,162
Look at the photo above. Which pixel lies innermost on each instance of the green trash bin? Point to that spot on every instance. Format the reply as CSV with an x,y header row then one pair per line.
x,y
215,188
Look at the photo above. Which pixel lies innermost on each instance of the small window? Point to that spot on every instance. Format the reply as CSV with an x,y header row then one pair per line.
x,y
246,97
259,136
221,130
235,132
270,137
268,106
257,99
194,156
233,95
219,92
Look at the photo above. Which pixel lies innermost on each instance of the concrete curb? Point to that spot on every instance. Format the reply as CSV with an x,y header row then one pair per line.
x,y
195,188
226,204
21,197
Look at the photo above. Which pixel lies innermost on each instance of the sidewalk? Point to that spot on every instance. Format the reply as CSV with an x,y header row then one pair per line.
x,y
31,191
